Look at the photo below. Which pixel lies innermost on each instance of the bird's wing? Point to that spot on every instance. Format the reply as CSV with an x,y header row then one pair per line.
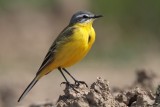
x,y
52,50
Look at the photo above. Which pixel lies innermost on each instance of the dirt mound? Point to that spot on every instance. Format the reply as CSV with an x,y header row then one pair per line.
x,y
99,94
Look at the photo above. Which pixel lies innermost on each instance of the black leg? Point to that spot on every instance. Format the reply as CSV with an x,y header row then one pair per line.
x,y
69,74
62,74
67,82
76,81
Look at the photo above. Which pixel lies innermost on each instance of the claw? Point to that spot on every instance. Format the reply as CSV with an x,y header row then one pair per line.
x,y
77,83
69,85
63,83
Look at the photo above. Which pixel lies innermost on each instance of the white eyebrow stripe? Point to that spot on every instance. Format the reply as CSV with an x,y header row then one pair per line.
x,y
81,15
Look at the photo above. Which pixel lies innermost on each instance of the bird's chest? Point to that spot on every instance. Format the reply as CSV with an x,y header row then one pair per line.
x,y
84,37
78,46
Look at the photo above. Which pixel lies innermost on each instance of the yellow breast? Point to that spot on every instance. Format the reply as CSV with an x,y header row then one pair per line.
x,y
78,45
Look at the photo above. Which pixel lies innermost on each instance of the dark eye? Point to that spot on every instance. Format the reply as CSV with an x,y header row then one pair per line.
x,y
85,16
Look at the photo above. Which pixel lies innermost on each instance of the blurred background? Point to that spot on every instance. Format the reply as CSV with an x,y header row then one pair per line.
x,y
128,38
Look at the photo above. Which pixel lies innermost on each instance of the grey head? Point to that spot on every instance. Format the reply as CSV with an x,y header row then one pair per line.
x,y
83,16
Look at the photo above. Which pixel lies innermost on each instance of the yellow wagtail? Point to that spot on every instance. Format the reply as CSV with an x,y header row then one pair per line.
x,y
72,44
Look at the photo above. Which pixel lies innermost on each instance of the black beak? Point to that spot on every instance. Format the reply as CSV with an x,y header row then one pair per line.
x,y
97,16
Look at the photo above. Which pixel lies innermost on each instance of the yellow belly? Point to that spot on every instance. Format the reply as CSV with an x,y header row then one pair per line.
x,y
72,53
75,49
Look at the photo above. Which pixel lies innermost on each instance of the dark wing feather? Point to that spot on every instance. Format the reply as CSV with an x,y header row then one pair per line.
x,y
51,53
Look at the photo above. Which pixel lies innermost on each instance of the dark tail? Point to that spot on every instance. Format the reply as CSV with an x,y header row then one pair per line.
x,y
30,86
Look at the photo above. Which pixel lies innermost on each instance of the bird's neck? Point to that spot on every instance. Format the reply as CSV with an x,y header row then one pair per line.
x,y
87,24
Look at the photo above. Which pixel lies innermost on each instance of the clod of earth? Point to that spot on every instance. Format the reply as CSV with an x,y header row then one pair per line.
x,y
99,94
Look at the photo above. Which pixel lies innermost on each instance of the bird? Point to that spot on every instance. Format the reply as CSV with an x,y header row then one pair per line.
x,y
71,45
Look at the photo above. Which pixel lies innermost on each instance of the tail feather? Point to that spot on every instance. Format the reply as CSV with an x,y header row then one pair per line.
x,y
30,86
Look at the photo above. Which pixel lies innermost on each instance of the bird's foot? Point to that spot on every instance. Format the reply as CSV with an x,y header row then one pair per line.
x,y
77,83
68,84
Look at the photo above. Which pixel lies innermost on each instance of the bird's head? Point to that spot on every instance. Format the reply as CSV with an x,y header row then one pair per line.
x,y
83,17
